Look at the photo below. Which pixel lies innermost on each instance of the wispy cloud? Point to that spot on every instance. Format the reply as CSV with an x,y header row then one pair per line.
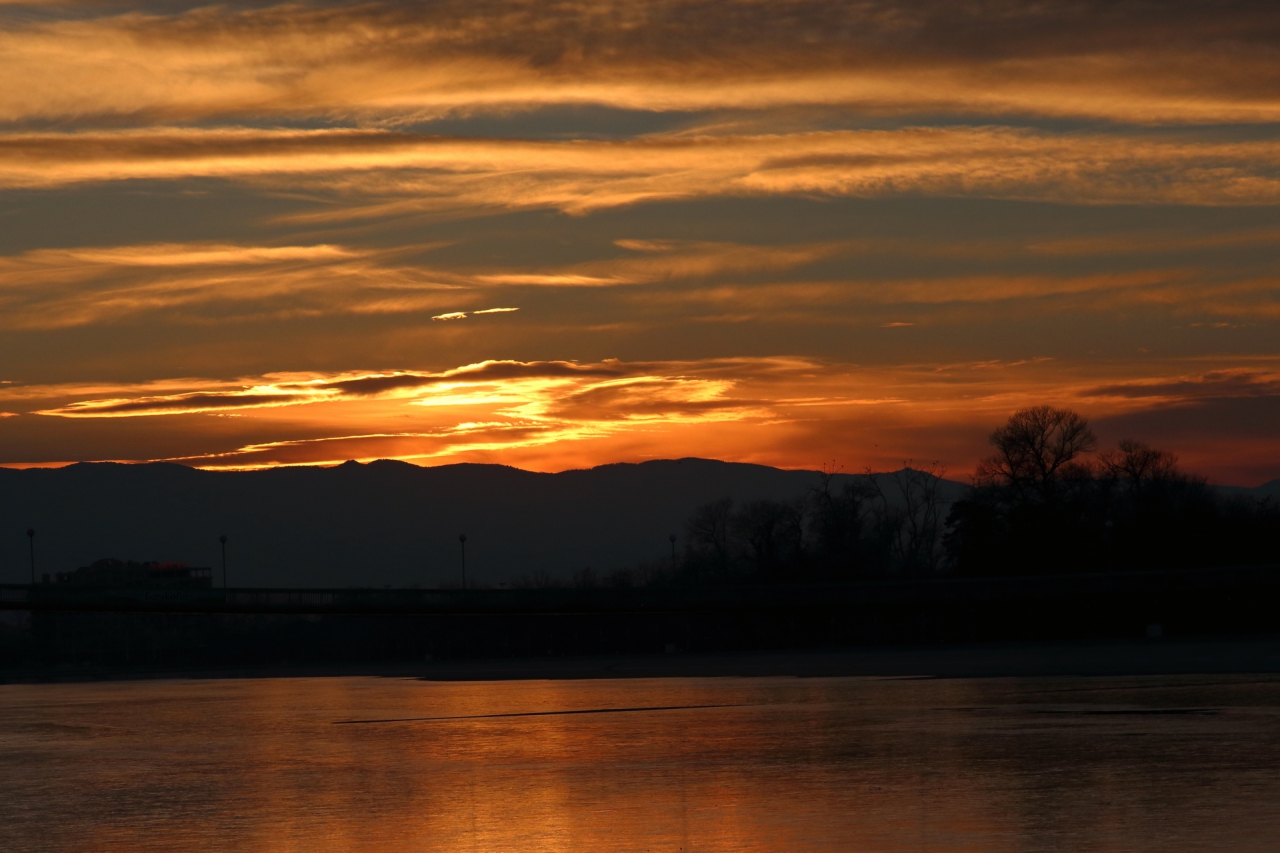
x,y
293,391
1194,388
389,60
207,283
204,284
385,173
462,315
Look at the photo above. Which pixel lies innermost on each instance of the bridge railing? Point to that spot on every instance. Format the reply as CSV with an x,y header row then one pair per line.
x,y
697,598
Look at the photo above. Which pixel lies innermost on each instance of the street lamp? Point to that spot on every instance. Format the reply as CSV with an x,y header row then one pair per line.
x,y
462,538
672,537
31,540
223,540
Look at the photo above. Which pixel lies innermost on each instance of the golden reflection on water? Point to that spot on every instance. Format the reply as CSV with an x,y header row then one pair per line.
x,y
854,764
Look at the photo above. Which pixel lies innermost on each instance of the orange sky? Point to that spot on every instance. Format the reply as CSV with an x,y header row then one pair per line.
x,y
797,234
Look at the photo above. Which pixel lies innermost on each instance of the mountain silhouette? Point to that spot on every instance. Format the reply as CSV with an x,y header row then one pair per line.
x,y
376,524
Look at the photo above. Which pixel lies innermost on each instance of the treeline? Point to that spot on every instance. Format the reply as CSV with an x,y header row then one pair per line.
x,y
1043,503
877,525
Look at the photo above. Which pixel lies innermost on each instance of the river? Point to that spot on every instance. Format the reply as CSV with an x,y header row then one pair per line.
x,y
1169,763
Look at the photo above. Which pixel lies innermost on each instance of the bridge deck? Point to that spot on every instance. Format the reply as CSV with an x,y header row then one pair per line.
x,y
57,597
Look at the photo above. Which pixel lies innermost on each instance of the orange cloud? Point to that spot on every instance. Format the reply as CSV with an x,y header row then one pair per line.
x,y
554,415
205,283
399,61
290,391
1237,382
385,173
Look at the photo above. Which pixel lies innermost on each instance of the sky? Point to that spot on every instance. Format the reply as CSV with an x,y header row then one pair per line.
x,y
561,234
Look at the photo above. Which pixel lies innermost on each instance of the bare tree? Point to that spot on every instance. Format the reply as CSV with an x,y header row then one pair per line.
x,y
909,516
1036,449
584,578
1138,463
838,520
771,532
708,532
537,580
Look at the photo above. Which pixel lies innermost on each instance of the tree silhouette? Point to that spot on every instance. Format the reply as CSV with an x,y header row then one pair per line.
x,y
1037,506
1036,449
708,534
772,534
1139,464
908,520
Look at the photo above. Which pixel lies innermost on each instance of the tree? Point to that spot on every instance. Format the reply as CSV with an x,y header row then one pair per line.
x,y
1036,450
839,518
909,525
772,533
708,533
1035,507
1137,464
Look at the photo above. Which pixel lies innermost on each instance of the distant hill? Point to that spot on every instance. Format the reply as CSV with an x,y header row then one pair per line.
x,y
1266,490
373,524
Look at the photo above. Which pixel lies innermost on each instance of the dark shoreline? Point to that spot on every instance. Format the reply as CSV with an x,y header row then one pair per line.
x,y
1200,656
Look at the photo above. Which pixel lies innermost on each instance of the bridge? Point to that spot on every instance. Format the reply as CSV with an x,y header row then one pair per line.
x,y
855,596
82,625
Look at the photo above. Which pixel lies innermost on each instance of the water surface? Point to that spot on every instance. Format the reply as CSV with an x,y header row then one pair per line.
x,y
763,764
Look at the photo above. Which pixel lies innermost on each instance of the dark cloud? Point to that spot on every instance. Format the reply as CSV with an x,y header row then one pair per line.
x,y
812,31
281,59
495,371
300,393
1216,384
176,404
1232,440
646,398
1189,424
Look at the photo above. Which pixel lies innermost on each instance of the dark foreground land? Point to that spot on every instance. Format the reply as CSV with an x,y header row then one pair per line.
x,y
1200,656
1186,621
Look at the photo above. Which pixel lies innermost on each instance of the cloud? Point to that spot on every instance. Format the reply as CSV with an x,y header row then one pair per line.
x,y
1153,243
793,412
211,283
288,391
206,284
543,280
462,315
1183,62
1217,384
388,173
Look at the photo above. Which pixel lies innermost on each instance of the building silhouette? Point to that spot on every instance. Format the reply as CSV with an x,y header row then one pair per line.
x,y
109,572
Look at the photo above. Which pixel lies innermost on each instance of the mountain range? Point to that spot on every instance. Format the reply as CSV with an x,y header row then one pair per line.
x,y
377,524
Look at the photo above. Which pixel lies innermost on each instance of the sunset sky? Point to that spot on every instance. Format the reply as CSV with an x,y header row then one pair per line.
x,y
560,234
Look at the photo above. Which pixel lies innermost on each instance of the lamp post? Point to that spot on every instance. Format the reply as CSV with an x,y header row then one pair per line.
x,y
31,540
672,537
462,538
1111,545
223,540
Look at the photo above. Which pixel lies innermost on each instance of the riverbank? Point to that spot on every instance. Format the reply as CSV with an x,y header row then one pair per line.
x,y
1238,655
